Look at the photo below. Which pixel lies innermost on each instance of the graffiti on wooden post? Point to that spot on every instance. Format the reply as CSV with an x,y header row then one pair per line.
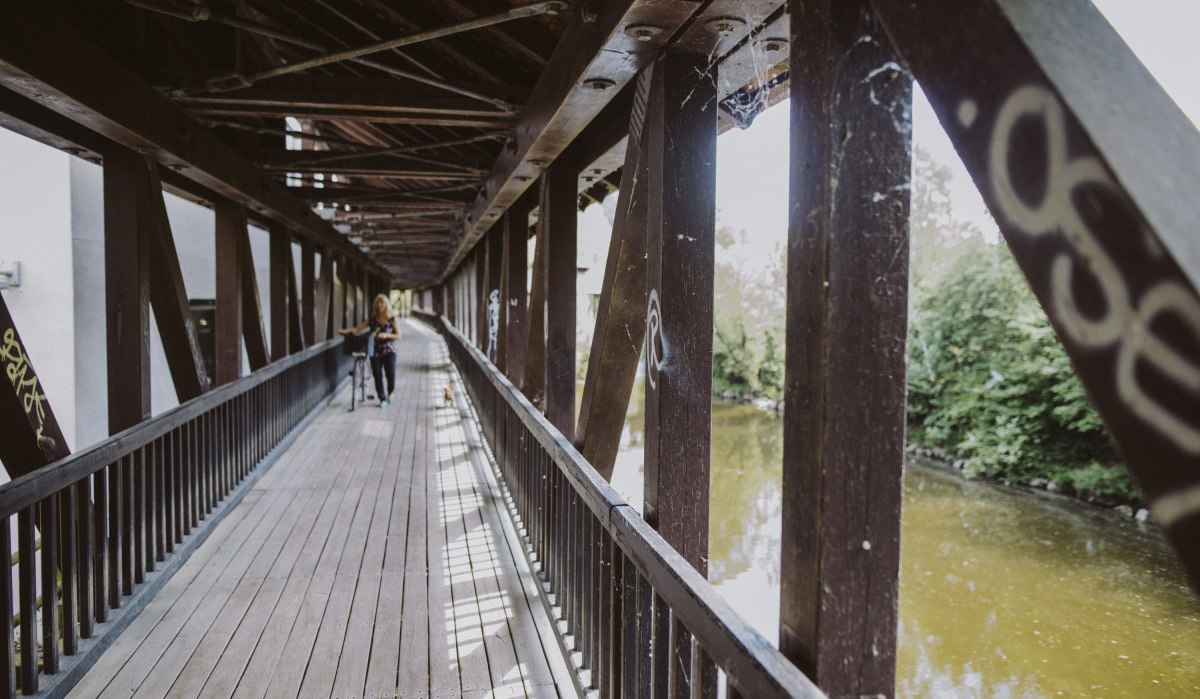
x,y
25,383
493,311
655,353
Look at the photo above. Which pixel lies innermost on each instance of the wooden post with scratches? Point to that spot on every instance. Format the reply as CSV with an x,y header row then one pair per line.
x,y
127,287
560,218
846,328
680,138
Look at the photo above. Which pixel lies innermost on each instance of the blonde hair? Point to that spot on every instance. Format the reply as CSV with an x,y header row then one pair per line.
x,y
387,304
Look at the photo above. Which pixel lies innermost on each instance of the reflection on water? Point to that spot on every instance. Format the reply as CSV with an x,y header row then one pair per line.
x,y
1002,593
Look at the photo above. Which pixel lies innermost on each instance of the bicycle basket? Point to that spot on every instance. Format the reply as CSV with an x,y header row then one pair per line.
x,y
355,343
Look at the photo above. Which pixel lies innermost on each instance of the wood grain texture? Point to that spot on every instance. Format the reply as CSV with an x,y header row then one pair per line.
x,y
680,138
846,331
368,561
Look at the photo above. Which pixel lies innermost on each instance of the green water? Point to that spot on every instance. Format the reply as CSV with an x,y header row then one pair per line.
x,y
1002,593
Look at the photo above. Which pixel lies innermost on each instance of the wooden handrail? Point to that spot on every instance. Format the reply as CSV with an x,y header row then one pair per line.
x,y
755,667
19,494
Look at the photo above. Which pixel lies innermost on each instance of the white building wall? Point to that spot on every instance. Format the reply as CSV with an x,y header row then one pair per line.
x,y
52,221
35,229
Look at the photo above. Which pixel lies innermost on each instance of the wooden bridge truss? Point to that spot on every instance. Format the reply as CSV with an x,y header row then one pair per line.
x,y
428,134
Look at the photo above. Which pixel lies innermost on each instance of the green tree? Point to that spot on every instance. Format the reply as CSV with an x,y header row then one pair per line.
x,y
989,381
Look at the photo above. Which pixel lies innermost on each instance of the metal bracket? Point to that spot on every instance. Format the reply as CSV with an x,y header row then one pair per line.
x,y
10,274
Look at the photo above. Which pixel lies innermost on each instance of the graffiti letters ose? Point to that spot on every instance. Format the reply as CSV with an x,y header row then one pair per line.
x,y
24,381
1130,322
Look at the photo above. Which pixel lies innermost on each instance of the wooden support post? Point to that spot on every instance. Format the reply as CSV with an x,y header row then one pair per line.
x,y
1098,206
481,294
127,283
324,300
308,302
560,216
495,255
681,141
621,316
297,339
169,298
227,328
339,295
846,320
281,260
32,437
253,333
534,384
515,300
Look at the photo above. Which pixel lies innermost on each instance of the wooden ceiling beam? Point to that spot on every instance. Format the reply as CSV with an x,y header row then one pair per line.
x,y
591,55
339,113
351,94
48,61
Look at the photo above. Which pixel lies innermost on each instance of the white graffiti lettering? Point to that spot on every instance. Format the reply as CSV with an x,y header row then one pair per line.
x,y
654,343
493,311
1123,323
24,381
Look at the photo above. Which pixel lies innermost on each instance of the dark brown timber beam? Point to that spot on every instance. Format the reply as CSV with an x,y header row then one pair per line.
x,y
533,385
621,315
846,323
349,94
515,299
560,217
339,113
280,261
32,436
569,96
227,326
168,295
1098,205
680,138
495,272
127,283
48,61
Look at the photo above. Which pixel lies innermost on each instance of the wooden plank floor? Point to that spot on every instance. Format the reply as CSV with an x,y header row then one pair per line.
x,y
370,561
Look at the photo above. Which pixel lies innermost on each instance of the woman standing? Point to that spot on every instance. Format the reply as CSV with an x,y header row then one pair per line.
x,y
385,330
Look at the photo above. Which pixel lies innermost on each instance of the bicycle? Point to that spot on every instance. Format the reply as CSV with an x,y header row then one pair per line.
x,y
360,347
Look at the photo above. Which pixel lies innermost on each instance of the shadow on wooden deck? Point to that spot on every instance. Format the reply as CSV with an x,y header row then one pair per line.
x,y
371,561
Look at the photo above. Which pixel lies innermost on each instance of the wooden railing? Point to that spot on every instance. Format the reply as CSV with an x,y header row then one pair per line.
x,y
641,619
116,519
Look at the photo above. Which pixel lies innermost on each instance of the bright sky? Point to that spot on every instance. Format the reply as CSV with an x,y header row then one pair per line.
x,y
752,172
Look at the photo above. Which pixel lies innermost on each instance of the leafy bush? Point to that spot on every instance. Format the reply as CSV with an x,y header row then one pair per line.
x,y
989,381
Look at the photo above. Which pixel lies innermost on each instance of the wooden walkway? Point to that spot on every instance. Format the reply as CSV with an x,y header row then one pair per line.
x,y
372,560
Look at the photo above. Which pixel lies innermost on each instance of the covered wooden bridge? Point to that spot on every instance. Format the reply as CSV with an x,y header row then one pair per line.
x,y
258,540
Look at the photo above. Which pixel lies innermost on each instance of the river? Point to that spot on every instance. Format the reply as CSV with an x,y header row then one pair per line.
x,y
1003,593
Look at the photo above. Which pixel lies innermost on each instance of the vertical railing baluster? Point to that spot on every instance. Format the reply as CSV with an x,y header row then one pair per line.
x,y
704,673
157,460
578,541
170,469
660,647
570,580
591,657
680,654
607,618
68,558
48,515
102,568
8,658
86,552
125,512
211,443
115,506
134,505
27,590
643,647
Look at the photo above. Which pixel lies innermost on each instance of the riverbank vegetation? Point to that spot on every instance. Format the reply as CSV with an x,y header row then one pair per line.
x,y
989,385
